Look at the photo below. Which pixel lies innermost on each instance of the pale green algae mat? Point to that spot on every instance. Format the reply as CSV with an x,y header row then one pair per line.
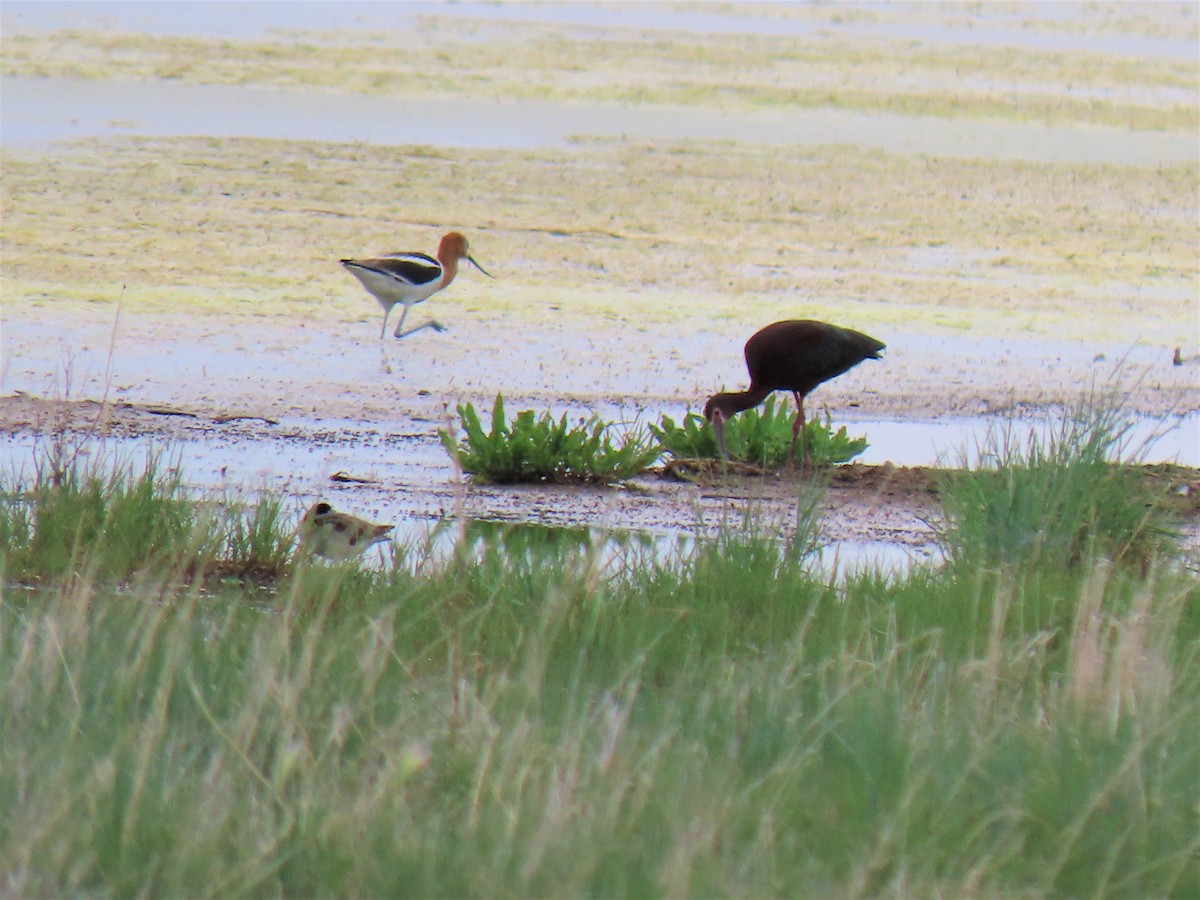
x,y
1007,197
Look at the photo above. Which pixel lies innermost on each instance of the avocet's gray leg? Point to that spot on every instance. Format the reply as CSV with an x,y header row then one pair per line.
x,y
400,324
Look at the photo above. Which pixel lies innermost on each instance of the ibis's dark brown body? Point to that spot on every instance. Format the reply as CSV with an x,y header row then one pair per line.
x,y
795,355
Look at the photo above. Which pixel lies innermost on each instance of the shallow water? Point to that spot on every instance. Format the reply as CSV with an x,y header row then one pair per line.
x,y
39,112
948,441
294,465
614,549
411,481
363,410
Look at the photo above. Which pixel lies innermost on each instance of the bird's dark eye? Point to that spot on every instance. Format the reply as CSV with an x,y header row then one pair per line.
x,y
324,509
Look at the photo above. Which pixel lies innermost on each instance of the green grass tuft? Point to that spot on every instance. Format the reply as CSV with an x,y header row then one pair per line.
x,y
112,519
257,536
1056,498
113,515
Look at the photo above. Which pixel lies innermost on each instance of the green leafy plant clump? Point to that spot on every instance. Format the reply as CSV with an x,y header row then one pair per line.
x,y
537,448
761,438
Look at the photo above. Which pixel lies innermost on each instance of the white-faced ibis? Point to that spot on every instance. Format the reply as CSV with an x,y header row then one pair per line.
x,y
795,355
336,535
410,278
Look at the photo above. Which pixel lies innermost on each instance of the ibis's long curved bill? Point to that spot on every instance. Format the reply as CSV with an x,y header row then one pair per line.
x,y
718,424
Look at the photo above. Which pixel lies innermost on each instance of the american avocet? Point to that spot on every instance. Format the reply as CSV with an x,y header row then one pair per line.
x,y
795,355
409,278
336,535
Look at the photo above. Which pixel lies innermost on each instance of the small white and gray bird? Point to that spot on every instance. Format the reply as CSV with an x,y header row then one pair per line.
x,y
338,536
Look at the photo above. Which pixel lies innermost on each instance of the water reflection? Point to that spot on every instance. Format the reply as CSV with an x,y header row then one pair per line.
x,y
617,551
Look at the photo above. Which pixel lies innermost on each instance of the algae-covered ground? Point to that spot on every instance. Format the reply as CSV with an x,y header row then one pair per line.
x,y
644,232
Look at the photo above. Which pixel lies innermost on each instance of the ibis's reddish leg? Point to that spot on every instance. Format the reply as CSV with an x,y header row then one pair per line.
x,y
798,431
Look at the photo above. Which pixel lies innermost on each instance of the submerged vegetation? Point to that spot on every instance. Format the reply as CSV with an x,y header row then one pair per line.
x,y
532,711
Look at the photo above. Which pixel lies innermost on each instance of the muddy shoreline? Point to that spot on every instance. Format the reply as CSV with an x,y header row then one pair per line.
x,y
368,412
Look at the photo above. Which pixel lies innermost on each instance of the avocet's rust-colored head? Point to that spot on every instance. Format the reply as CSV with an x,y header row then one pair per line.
x,y
454,247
